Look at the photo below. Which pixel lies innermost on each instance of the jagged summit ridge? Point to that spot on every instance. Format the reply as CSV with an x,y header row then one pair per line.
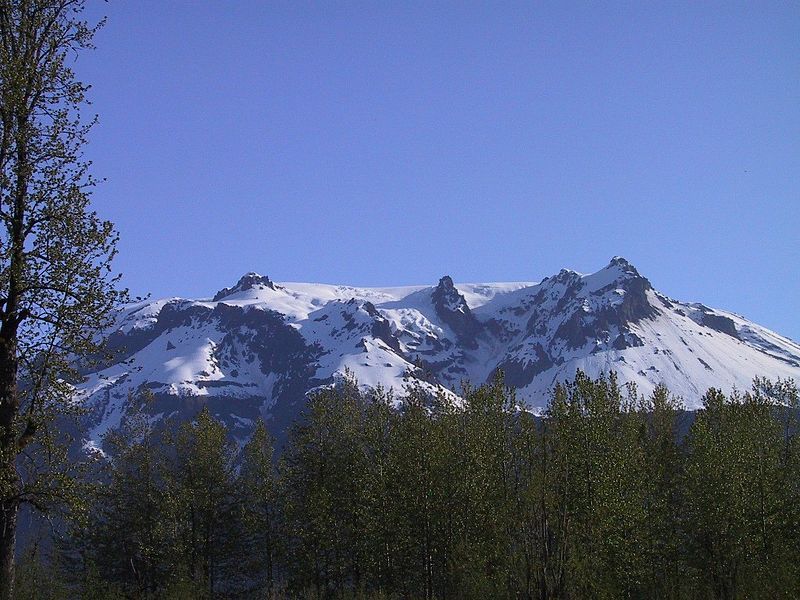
x,y
248,281
258,347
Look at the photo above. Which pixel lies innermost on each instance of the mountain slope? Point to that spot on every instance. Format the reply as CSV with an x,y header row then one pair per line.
x,y
256,348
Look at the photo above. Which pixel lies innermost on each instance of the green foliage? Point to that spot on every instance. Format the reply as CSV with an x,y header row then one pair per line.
x,y
203,503
36,580
258,489
739,462
57,290
324,492
607,495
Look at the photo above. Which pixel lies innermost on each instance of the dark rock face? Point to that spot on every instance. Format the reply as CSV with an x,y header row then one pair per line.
x,y
375,325
574,331
247,282
624,265
627,340
581,327
180,314
121,345
250,337
635,305
245,361
565,315
382,331
250,333
279,347
519,374
451,307
719,323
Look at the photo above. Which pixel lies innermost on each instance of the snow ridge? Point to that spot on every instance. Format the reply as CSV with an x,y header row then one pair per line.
x,y
258,347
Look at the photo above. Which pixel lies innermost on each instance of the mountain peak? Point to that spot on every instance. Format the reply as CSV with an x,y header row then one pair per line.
x,y
446,296
246,282
624,265
258,352
452,308
566,277
446,283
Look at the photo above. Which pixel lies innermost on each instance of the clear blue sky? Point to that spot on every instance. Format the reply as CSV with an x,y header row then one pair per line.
x,y
378,143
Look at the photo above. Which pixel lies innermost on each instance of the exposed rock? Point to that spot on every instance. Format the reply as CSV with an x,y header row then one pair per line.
x,y
452,308
720,323
519,374
246,360
246,282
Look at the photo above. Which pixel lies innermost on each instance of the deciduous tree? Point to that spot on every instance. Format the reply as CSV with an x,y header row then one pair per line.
x,y
56,284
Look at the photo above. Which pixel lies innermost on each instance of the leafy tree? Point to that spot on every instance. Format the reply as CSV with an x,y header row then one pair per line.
x,y
414,469
323,473
663,536
132,536
37,580
125,535
787,560
483,446
466,498
203,502
258,489
380,489
56,289
735,496
596,500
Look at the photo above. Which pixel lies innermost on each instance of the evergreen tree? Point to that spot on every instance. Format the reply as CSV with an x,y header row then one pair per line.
x,y
125,536
132,536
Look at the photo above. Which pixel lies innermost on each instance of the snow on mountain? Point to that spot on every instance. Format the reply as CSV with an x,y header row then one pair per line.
x,y
257,347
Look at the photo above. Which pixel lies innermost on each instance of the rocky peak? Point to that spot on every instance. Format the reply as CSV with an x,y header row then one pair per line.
x,y
452,308
621,274
446,297
624,265
247,281
565,277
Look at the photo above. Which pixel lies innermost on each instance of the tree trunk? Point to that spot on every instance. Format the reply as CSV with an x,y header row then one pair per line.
x,y
8,538
9,503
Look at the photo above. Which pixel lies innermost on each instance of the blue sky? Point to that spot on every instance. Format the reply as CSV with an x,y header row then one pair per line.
x,y
378,143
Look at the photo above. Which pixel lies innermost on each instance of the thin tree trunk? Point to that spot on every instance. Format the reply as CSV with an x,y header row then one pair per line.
x,y
8,534
9,504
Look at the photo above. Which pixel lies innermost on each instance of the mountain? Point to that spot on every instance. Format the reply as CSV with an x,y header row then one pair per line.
x,y
258,347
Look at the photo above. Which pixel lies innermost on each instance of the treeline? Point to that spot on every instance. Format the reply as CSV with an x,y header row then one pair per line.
x,y
607,495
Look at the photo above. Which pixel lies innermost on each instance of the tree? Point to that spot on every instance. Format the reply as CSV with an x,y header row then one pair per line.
x,y
323,477
56,284
416,455
478,464
204,501
128,537
736,499
661,487
258,487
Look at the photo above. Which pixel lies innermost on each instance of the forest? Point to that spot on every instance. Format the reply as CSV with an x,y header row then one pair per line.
x,y
608,494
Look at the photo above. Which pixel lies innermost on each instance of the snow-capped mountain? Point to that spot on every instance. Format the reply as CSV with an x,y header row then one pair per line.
x,y
258,347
